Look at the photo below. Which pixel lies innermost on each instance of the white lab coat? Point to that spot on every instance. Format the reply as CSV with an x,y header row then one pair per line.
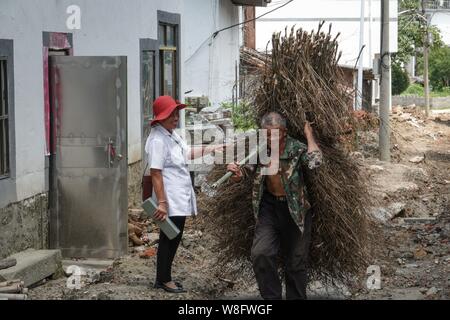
x,y
168,152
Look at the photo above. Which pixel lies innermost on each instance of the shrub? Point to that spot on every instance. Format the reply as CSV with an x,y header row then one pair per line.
x,y
400,80
243,115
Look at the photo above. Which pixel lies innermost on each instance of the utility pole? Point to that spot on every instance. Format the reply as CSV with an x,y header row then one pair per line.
x,y
384,134
426,42
359,93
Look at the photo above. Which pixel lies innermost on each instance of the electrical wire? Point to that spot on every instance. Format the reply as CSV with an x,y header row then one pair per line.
x,y
212,36
250,20
359,55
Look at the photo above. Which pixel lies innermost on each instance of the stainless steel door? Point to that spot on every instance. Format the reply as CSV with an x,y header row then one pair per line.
x,y
89,172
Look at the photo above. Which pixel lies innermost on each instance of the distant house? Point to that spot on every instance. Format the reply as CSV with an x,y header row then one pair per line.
x,y
170,47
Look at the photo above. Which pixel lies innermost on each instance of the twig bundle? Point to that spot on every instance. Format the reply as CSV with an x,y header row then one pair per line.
x,y
303,82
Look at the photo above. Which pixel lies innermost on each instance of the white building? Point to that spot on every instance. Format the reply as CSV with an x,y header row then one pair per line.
x,y
33,30
345,18
442,21
343,15
439,15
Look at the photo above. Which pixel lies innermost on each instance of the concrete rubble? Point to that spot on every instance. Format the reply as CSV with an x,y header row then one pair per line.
x,y
27,268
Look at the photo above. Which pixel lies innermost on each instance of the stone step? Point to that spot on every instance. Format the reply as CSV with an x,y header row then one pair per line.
x,y
33,266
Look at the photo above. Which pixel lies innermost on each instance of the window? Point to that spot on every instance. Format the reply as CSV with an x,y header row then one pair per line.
x,y
4,121
167,35
148,82
148,88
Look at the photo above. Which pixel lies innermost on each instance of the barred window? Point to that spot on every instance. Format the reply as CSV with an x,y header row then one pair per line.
x,y
4,127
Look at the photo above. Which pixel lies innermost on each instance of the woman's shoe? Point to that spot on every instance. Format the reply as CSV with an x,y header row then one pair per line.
x,y
178,284
169,289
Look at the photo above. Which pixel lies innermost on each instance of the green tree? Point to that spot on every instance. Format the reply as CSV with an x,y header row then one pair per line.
x,y
412,26
440,68
400,80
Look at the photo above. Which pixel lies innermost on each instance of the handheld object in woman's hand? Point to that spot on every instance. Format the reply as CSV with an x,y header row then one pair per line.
x,y
166,226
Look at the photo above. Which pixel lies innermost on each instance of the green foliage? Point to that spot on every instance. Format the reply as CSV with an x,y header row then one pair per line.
x,y
414,89
443,92
243,115
439,63
411,30
418,90
400,80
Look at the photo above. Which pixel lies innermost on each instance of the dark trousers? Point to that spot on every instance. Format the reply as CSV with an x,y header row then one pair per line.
x,y
166,252
275,230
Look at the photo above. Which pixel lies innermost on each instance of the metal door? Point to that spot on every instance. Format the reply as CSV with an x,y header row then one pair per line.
x,y
89,189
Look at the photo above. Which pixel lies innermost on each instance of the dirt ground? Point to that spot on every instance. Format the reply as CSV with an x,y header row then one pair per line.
x,y
413,206
415,194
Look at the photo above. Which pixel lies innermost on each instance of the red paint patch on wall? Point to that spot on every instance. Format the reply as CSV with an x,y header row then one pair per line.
x,y
57,41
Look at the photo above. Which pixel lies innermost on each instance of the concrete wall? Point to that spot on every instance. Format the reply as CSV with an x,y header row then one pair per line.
x,y
437,103
344,15
24,225
108,27
210,61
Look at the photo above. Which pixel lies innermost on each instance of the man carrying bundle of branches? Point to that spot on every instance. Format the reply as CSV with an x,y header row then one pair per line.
x,y
281,209
303,83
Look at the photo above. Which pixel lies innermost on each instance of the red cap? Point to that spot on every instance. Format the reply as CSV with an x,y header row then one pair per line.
x,y
163,107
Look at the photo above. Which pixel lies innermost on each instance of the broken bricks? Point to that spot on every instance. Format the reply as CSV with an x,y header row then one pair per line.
x,y
150,252
420,253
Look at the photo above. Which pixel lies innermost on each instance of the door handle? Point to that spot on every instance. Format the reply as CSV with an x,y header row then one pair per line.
x,y
112,155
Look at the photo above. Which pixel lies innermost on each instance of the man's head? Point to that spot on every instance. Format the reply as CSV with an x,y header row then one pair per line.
x,y
274,122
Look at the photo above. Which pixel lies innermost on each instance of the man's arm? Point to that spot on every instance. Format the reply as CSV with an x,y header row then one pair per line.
x,y
312,144
313,156
240,172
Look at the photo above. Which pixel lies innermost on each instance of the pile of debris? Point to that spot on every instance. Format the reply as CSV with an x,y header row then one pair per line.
x,y
303,82
252,59
12,289
141,234
136,228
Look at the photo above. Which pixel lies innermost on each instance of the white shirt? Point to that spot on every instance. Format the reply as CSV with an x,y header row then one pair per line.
x,y
168,152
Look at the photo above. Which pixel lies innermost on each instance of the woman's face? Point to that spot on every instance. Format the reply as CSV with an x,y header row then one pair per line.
x,y
172,121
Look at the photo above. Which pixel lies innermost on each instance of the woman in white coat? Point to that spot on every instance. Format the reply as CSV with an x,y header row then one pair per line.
x,y
167,160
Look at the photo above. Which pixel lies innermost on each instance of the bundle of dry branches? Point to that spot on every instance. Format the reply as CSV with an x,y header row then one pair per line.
x,y
304,83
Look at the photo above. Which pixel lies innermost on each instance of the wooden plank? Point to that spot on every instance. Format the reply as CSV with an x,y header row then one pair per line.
x,y
13,296
10,282
15,288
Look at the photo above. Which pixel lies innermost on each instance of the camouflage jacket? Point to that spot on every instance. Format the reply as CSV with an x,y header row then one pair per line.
x,y
294,156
